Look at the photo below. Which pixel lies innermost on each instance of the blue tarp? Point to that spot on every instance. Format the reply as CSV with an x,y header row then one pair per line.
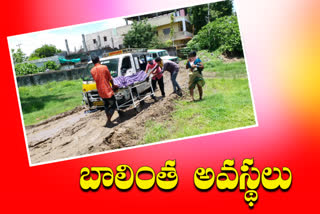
x,y
63,60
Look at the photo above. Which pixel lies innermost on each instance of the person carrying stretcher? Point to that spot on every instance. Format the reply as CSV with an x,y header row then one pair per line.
x,y
157,76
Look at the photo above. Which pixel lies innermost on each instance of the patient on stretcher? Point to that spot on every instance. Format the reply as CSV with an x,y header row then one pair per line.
x,y
123,81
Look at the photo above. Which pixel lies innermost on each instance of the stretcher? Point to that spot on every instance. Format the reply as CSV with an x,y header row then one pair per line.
x,y
133,96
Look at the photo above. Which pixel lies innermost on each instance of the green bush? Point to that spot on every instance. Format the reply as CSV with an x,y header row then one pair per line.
x,y
31,58
222,34
51,65
168,43
183,53
27,68
194,44
156,44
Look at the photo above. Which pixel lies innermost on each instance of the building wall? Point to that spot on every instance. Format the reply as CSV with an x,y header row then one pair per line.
x,y
160,20
113,36
117,34
164,37
40,62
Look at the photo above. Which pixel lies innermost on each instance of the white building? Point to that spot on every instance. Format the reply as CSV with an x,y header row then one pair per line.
x,y
114,37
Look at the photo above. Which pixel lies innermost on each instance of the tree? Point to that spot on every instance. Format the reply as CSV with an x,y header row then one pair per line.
x,y
220,9
199,14
141,35
18,56
45,51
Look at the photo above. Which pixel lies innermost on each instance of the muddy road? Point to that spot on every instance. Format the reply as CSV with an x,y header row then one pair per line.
x,y
76,132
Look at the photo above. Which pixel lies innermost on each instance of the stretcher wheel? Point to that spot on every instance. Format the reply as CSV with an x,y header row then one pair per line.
x,y
138,109
140,106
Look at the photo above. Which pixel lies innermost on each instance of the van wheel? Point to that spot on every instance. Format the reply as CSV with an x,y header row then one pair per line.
x,y
88,103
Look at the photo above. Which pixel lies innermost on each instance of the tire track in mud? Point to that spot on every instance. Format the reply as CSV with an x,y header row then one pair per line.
x,y
75,133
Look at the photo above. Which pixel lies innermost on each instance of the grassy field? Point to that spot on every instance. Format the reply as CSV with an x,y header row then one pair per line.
x,y
43,101
227,104
213,63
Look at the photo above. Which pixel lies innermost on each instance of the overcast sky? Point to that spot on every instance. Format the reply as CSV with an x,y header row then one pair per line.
x,y
31,41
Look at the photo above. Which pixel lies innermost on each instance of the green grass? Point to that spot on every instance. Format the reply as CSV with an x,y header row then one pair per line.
x,y
227,104
43,101
227,70
213,63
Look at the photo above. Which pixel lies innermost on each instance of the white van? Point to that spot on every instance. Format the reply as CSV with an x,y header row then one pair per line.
x,y
163,54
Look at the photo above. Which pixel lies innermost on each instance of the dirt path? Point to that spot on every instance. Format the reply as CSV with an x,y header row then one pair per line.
x,y
75,133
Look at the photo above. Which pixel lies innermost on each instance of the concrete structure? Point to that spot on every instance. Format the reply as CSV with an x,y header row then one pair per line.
x,y
45,77
114,37
67,46
182,29
84,43
40,62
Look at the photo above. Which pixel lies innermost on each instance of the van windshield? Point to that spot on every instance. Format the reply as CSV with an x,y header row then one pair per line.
x,y
112,65
163,53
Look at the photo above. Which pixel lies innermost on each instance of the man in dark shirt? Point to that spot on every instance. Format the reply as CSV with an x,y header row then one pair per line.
x,y
173,68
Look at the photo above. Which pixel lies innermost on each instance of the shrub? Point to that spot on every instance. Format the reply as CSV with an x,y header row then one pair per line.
x,y
157,44
29,68
31,58
51,65
222,34
168,43
194,44
26,68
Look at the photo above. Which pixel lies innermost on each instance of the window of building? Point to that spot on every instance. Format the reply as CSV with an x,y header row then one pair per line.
x,y
105,38
166,31
94,41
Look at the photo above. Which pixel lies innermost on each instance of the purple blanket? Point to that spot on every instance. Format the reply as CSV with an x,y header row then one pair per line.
x,y
123,82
